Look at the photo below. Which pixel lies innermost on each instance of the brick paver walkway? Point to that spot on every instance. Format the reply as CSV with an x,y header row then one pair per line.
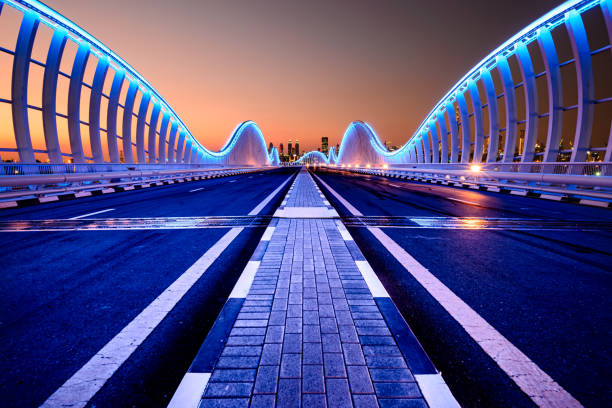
x,y
309,332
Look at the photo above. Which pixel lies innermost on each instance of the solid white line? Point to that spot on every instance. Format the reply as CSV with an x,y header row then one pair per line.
x,y
85,383
92,213
232,181
196,189
530,378
241,289
375,285
435,391
268,234
189,391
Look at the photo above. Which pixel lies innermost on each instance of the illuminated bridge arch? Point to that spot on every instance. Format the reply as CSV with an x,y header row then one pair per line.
x,y
545,95
114,117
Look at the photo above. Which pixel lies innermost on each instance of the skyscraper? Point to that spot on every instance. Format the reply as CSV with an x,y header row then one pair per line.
x,y
270,147
281,151
324,144
297,147
289,150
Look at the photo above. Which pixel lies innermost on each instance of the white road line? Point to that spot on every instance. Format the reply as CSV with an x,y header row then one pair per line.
x,y
269,198
232,181
374,284
87,381
241,289
196,189
190,390
463,201
92,213
436,392
267,235
530,378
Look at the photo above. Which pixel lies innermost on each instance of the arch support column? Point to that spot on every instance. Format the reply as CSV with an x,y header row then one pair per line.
x,y
111,117
49,91
19,87
531,103
435,145
478,122
426,147
161,157
140,126
151,145
555,101
454,129
180,146
94,110
127,122
466,143
74,103
172,142
443,136
510,99
584,73
492,108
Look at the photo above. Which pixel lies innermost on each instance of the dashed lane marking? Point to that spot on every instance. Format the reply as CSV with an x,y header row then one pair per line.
x,y
91,213
196,189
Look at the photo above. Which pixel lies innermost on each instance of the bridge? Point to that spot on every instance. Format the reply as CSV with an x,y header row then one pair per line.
x,y
468,267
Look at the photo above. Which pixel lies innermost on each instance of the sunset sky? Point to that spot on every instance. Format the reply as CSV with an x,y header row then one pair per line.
x,y
301,70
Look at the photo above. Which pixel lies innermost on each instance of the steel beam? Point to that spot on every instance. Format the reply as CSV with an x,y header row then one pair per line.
x,y
19,86
74,103
94,110
584,74
49,91
140,126
111,116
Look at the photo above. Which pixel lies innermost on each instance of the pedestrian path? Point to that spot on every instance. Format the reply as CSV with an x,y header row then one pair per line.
x,y
314,327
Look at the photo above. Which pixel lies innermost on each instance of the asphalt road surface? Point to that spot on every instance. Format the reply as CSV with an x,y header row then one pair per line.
x,y
66,294
547,292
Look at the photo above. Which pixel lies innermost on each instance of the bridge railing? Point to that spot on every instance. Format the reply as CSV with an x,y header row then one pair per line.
x,y
583,168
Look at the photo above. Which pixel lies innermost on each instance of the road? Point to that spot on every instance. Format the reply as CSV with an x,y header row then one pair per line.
x,y
67,294
547,292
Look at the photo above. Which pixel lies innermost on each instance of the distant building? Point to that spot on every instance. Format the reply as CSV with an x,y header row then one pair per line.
x,y
281,149
337,147
324,145
270,147
297,147
289,148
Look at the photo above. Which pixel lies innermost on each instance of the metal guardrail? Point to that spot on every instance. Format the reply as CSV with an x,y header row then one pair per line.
x,y
23,169
583,168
